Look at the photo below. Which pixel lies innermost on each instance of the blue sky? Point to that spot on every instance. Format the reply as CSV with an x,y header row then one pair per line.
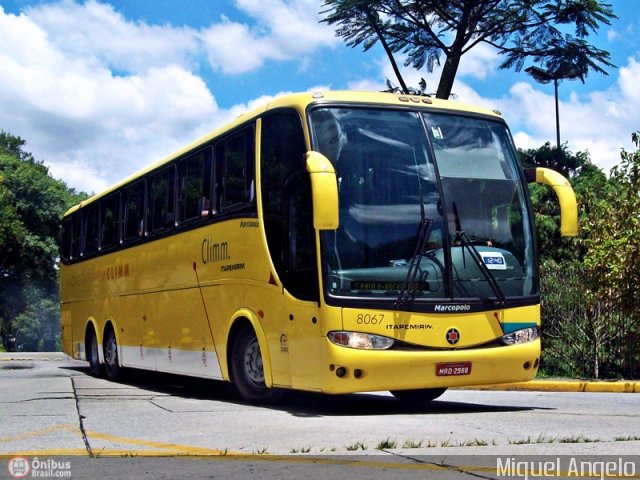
x,y
99,89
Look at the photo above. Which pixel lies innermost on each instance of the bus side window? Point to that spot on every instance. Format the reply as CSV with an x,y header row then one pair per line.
x,y
235,170
90,229
133,214
194,187
76,239
110,222
161,200
71,238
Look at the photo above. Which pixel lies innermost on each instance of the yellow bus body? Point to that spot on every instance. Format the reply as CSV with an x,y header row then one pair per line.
x,y
173,303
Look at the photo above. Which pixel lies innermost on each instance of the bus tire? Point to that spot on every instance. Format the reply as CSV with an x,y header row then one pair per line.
x,y
93,356
419,395
111,361
247,371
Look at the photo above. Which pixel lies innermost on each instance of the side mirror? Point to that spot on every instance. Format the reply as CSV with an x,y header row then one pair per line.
x,y
324,191
566,197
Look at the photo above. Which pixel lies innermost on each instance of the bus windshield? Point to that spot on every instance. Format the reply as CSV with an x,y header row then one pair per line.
x,y
431,207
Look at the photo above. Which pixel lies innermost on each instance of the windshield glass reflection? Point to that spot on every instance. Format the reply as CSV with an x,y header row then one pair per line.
x,y
388,187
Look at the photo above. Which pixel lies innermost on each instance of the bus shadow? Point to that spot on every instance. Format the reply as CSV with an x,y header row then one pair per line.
x,y
304,404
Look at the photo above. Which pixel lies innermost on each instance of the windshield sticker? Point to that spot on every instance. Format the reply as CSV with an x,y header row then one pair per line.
x,y
494,260
437,133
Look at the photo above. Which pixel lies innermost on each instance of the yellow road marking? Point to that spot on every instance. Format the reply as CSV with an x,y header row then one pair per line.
x,y
168,448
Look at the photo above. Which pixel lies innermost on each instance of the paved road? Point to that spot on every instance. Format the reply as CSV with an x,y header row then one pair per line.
x,y
51,408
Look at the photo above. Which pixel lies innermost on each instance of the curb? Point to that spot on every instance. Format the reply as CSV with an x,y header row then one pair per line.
x,y
621,386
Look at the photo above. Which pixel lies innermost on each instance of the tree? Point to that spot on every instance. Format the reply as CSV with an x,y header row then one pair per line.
x,y
520,30
591,308
612,242
31,206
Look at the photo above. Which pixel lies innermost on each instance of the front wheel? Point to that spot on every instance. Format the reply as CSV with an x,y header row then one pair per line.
x,y
419,395
111,362
247,370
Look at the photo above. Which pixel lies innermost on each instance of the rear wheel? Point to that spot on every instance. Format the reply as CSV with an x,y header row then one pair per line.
x,y
247,370
91,347
420,395
111,362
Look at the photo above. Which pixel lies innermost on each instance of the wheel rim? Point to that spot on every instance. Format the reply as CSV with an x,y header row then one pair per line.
x,y
253,366
111,353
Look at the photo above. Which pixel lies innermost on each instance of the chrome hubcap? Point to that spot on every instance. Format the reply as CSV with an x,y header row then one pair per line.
x,y
110,353
253,366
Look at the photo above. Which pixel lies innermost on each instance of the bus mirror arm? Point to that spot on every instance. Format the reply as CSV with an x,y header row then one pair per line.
x,y
566,197
324,191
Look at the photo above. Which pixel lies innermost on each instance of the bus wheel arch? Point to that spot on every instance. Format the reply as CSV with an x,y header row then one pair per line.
x,y
248,361
110,350
92,349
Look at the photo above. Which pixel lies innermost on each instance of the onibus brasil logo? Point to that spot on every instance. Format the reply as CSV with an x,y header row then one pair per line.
x,y
21,467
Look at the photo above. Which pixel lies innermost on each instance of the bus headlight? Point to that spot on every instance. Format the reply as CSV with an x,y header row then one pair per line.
x,y
521,336
360,340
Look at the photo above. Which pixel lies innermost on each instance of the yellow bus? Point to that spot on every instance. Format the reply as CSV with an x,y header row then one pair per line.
x,y
332,242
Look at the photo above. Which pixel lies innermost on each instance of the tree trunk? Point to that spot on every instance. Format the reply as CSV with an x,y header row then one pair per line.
x,y
448,76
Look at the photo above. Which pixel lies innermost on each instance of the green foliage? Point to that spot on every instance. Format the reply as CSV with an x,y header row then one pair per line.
x,y
440,32
591,309
586,179
613,234
31,206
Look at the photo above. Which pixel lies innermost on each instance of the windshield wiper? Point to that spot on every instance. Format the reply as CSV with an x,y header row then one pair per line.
x,y
465,241
410,287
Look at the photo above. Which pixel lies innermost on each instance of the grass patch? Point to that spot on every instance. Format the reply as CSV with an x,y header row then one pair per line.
x,y
301,450
412,444
356,446
476,442
542,438
387,444
577,439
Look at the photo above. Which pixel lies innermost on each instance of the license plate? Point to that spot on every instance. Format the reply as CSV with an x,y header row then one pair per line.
x,y
453,369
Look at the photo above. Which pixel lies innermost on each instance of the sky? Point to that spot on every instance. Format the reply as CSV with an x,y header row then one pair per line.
x,y
100,89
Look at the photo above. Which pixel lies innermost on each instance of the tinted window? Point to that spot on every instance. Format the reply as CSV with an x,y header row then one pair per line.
x,y
161,192
194,187
282,151
133,205
110,221
234,158
91,229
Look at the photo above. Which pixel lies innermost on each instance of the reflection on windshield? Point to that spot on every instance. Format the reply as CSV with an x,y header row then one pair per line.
x,y
385,165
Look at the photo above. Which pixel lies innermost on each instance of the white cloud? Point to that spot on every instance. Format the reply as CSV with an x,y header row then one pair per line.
x,y
284,30
98,96
293,24
234,48
600,122
480,62
96,30
80,117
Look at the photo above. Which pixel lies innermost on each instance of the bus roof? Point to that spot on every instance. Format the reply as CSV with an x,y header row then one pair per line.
x,y
300,101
